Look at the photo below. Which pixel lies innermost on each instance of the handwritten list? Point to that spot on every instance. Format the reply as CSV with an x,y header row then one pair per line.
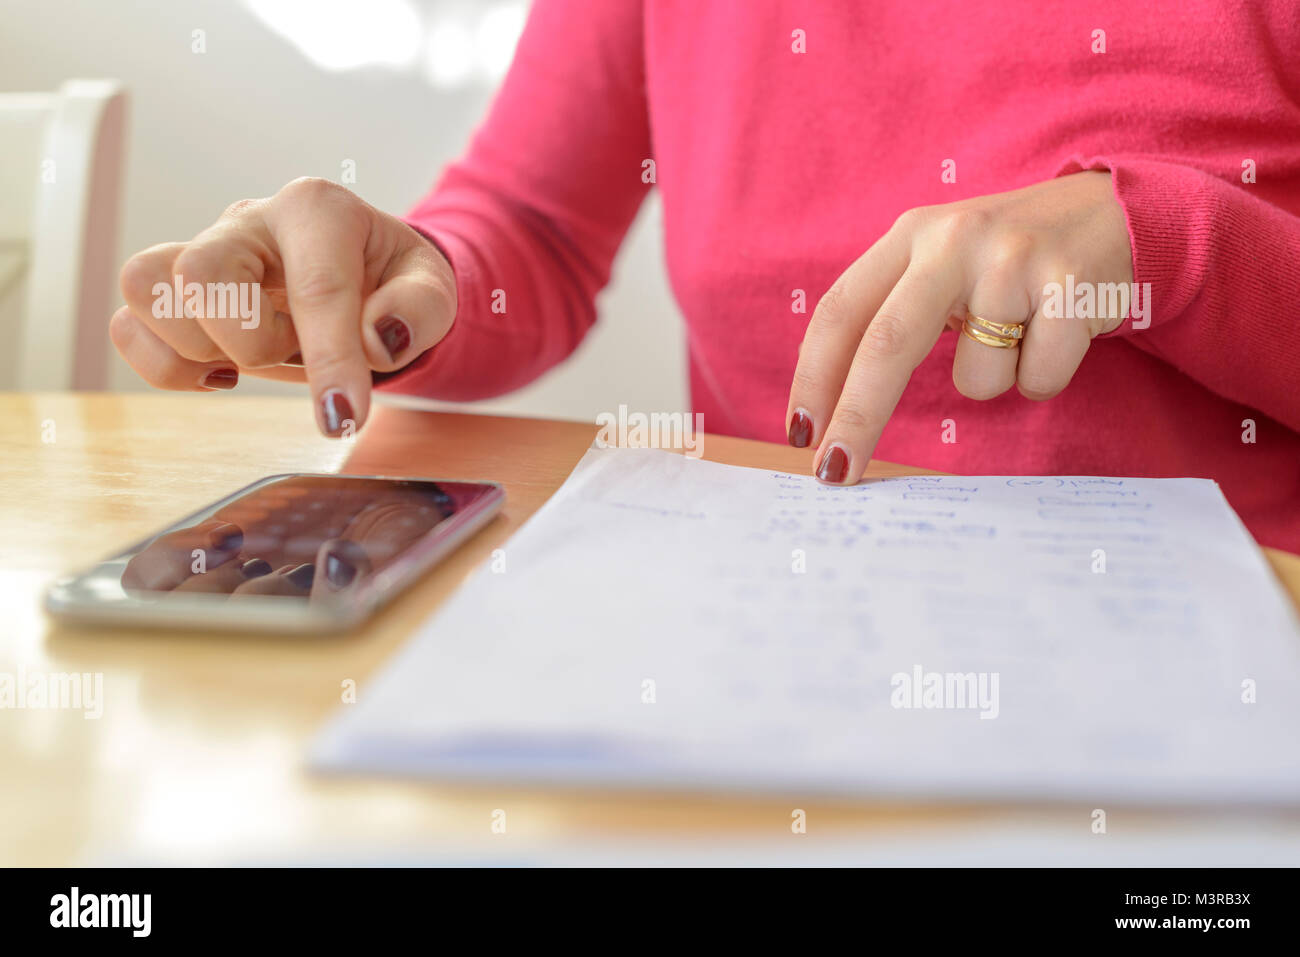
x,y
671,622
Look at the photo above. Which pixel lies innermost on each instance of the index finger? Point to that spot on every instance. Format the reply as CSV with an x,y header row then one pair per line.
x,y
834,331
321,242
900,336
172,558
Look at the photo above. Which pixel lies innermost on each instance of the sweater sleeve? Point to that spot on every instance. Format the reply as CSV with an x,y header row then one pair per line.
x,y
1223,265
531,217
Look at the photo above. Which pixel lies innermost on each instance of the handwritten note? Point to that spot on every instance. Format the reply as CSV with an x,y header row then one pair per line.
x,y
671,622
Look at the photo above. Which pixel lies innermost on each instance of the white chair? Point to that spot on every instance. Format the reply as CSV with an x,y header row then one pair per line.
x,y
60,186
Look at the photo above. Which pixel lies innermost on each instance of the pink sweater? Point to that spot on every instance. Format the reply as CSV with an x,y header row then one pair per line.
x,y
778,168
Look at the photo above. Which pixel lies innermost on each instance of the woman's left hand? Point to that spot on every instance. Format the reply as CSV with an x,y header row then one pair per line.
x,y
993,256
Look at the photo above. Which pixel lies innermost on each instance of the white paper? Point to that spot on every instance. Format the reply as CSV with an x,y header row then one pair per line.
x,y
1142,649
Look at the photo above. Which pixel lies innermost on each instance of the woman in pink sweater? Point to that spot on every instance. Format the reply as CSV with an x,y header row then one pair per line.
x,y
1013,237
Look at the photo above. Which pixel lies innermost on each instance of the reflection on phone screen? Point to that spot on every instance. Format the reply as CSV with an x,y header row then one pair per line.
x,y
303,537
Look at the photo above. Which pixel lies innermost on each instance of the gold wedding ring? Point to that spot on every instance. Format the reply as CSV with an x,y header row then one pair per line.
x,y
999,335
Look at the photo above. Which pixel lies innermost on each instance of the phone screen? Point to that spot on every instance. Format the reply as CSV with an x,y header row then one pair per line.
x,y
300,538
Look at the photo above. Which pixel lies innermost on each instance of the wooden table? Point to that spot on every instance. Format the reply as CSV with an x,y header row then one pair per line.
x,y
198,755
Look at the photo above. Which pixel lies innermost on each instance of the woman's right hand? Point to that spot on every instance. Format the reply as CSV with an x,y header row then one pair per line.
x,y
342,290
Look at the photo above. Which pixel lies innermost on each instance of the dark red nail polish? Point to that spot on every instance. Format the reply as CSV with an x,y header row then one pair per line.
x,y
255,568
293,360
339,571
835,465
801,429
337,412
394,334
221,379
303,576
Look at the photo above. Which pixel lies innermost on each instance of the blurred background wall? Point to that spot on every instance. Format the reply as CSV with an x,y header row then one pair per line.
x,y
287,88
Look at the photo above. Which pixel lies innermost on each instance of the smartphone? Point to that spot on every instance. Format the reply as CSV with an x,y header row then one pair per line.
x,y
305,554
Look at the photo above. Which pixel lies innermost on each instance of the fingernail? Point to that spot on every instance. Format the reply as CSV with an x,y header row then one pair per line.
x,y
835,465
221,379
339,570
394,334
337,412
226,537
255,568
303,576
293,360
801,429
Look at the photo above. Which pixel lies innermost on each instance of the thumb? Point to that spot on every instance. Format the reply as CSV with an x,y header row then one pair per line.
x,y
411,310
